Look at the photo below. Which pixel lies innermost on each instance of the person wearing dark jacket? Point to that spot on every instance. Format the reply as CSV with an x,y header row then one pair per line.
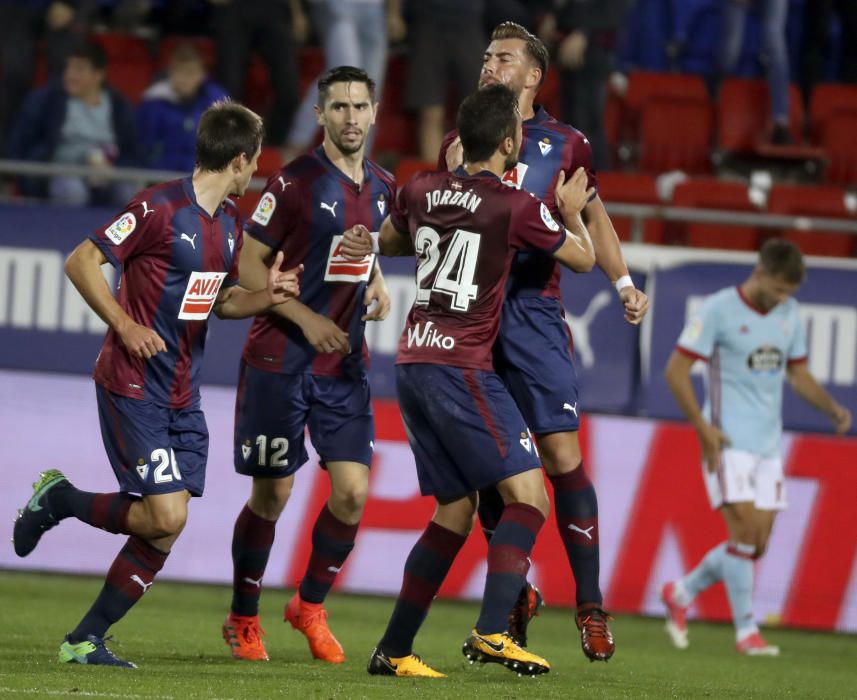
x,y
79,120
585,34
170,111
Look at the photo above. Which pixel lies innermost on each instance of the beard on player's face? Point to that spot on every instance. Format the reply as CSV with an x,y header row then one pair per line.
x,y
347,147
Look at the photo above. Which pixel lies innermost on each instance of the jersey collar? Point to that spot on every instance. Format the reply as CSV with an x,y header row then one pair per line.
x,y
187,186
328,163
461,172
539,116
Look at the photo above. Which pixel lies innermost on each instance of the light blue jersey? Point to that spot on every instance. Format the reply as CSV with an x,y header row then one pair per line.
x,y
747,352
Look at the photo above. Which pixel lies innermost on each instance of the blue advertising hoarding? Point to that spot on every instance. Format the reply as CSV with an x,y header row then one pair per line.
x,y
46,326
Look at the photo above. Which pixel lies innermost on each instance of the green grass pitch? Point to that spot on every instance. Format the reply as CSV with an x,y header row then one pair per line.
x,y
174,636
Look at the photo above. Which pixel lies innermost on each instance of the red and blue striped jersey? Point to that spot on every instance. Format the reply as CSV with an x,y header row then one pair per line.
x,y
175,258
303,211
548,147
466,230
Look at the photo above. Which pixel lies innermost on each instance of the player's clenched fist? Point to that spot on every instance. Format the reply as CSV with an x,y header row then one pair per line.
x,y
635,304
572,196
356,242
141,342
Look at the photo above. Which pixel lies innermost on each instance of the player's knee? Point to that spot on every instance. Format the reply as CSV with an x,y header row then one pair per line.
x,y
270,496
168,522
351,498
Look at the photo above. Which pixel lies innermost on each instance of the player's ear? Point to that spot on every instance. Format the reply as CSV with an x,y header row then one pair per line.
x,y
319,115
375,107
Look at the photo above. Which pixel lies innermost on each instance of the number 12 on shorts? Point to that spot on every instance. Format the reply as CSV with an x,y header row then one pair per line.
x,y
279,447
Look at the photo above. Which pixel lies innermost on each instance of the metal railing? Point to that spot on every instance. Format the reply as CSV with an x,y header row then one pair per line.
x,y
638,213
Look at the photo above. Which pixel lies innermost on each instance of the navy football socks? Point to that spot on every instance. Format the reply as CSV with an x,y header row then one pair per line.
x,y
576,507
425,570
508,563
252,540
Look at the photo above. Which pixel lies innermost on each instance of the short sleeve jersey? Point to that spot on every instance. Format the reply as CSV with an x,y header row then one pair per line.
x,y
747,351
304,211
548,147
175,258
465,230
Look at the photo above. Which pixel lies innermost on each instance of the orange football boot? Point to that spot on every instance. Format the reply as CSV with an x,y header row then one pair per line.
x,y
244,637
311,620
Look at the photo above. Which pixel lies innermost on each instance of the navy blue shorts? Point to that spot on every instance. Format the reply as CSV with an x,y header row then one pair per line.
x,y
465,431
533,357
272,410
153,449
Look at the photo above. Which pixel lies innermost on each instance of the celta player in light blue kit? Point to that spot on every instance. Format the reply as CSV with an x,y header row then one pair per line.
x,y
752,338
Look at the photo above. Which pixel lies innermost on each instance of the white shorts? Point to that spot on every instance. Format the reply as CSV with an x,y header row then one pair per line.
x,y
746,477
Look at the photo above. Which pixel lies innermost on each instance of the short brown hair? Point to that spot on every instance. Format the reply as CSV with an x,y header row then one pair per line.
x,y
226,130
536,49
781,258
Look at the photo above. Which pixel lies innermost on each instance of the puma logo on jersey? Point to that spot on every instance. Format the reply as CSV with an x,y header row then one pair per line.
x,y
189,239
586,532
330,207
254,581
334,569
569,407
283,183
146,210
145,586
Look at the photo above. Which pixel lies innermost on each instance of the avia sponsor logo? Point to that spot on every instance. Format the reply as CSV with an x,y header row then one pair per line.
x,y
766,359
515,176
35,294
342,269
427,336
199,297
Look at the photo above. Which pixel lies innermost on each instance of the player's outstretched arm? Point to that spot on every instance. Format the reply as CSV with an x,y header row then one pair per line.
x,y
280,287
83,268
813,393
711,439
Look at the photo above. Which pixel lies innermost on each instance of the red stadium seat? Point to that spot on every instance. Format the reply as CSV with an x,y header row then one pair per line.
x,y
408,167
840,145
270,161
827,101
130,67
675,134
202,44
644,86
631,188
709,193
395,132
824,201
743,115
247,204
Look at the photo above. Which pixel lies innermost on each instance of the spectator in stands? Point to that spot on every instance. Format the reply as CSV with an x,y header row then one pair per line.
x,y
774,15
816,39
273,28
80,120
24,24
585,33
446,40
169,113
352,33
